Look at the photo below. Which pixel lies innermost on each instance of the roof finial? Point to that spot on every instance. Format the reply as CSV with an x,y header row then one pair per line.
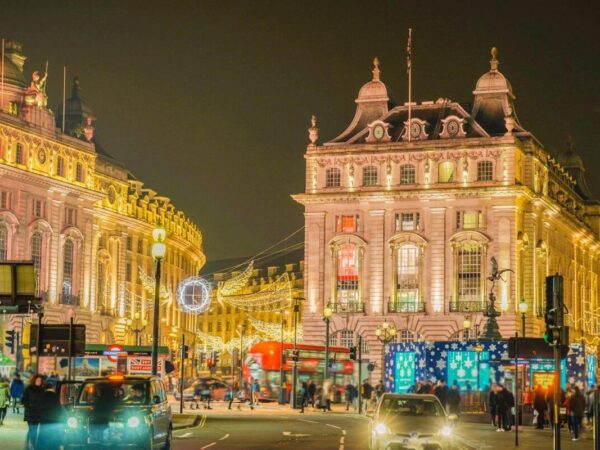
x,y
376,70
494,63
313,131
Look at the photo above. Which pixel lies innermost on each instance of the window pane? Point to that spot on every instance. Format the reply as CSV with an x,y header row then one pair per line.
x,y
407,287
36,253
3,242
347,274
469,272
407,174
446,172
485,171
370,176
68,268
333,177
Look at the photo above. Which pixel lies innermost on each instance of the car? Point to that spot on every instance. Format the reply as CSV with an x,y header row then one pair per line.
x,y
119,411
219,389
411,421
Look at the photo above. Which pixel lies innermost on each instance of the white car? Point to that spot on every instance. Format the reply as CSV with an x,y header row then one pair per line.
x,y
411,421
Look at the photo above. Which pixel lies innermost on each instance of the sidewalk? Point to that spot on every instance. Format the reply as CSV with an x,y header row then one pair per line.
x,y
13,432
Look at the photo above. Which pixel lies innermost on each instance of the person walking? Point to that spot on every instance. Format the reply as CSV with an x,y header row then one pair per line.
x,y
503,408
4,398
577,407
51,429
367,391
454,399
33,402
16,392
233,392
540,407
441,392
379,390
303,394
350,395
312,390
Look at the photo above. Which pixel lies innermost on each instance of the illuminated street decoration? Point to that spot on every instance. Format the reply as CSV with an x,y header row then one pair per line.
x,y
216,343
193,295
237,282
148,283
273,330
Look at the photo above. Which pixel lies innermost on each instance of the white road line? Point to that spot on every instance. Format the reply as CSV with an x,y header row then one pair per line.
x,y
185,435
209,445
333,426
342,440
308,421
224,437
344,432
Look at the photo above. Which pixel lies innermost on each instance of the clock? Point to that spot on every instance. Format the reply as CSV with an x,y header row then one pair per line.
x,y
378,132
41,156
415,130
452,127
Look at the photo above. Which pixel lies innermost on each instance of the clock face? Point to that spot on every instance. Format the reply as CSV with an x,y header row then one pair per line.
x,y
415,130
378,132
452,127
41,156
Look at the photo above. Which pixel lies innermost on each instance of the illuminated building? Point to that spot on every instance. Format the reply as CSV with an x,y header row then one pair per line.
x,y
83,218
401,220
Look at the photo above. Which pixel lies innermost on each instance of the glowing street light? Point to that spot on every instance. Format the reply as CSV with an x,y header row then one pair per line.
x,y
327,313
523,311
159,248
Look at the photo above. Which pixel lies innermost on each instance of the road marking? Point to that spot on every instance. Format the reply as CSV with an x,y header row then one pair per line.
x,y
342,440
344,432
209,445
308,421
333,426
224,437
203,420
185,435
289,433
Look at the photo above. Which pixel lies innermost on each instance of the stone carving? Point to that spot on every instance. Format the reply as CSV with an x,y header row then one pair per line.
x,y
313,131
36,92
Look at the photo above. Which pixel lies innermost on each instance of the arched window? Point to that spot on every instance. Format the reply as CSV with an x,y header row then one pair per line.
x,y
408,279
446,172
333,177
60,166
485,171
68,255
469,276
3,242
370,176
407,174
79,172
36,254
346,282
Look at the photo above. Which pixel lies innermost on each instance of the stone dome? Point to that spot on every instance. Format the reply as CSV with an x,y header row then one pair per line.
x,y
13,64
493,81
570,159
375,90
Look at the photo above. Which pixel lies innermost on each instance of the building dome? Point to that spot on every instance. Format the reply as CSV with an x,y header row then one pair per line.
x,y
569,159
375,90
493,81
13,64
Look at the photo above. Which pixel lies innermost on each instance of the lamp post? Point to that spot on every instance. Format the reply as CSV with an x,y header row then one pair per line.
x,y
523,311
327,313
466,327
159,248
295,368
136,326
385,333
282,389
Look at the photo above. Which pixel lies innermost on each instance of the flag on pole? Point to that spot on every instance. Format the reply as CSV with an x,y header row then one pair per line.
x,y
409,51
409,71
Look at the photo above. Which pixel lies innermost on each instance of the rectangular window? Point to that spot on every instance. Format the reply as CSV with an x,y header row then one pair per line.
x,y
485,171
370,176
446,172
140,247
333,177
407,174
13,108
19,156
347,224
469,220
347,275
227,326
129,243
219,328
210,327
60,166
128,272
408,221
5,200
407,287
469,272
37,208
70,216
79,172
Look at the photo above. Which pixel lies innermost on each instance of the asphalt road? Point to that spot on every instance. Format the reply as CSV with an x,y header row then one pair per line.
x,y
283,431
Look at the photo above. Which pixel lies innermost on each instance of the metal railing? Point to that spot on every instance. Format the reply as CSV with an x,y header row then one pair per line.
x,y
68,299
467,306
406,307
348,307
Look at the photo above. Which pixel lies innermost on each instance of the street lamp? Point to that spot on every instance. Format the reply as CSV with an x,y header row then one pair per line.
x,y
523,311
327,313
466,327
136,326
385,333
282,389
159,248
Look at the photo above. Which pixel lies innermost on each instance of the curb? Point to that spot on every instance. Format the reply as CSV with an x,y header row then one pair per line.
x,y
195,423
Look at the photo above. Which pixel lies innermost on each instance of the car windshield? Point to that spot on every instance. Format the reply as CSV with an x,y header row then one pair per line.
x,y
109,394
414,407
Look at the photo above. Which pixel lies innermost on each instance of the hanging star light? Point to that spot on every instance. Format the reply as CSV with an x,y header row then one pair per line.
x,y
193,295
273,330
149,284
276,296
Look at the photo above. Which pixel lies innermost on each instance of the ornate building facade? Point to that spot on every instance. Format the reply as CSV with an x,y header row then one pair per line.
x,y
406,207
84,220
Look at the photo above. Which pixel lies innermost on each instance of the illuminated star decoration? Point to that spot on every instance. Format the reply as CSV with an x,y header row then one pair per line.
x,y
193,295
273,330
149,284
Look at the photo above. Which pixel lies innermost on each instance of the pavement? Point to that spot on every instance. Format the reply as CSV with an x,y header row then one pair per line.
x,y
273,426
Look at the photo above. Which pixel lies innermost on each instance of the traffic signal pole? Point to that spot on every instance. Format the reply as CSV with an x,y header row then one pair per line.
x,y
181,374
360,394
557,392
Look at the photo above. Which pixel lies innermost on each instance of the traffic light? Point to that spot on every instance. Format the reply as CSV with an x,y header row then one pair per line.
x,y
353,353
295,355
216,359
10,340
554,315
186,351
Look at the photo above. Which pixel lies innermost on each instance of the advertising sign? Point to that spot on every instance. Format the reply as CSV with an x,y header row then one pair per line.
x,y
142,365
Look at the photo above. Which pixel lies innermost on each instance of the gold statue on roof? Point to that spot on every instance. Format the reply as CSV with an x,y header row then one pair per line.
x,y
36,92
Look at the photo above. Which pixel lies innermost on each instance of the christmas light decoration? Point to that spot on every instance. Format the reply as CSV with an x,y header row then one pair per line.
x,y
193,295
273,330
216,343
149,284
237,282
274,297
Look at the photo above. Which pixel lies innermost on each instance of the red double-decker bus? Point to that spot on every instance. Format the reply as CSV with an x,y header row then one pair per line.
x,y
263,362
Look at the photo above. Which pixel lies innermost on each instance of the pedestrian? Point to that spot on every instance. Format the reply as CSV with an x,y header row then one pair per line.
x,y
255,392
577,407
16,392
539,407
350,395
493,405
51,429
468,387
379,390
454,399
589,401
205,395
4,398
441,392
197,396
233,392
312,390
33,402
303,394
367,391
503,408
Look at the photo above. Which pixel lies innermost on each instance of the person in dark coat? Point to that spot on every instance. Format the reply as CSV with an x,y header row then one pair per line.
x,y
16,392
312,390
540,406
503,408
33,401
50,432
454,400
441,392
577,412
366,393
493,405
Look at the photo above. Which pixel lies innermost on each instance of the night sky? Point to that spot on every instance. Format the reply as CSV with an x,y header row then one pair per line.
x,y
208,102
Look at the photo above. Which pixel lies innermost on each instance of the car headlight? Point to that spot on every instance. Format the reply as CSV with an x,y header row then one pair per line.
x,y
133,422
381,428
72,422
446,431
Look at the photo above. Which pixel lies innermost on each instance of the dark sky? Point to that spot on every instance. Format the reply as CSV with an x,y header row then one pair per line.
x,y
208,102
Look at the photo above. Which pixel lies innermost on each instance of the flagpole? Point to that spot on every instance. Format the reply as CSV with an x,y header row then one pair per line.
x,y
2,80
64,97
409,70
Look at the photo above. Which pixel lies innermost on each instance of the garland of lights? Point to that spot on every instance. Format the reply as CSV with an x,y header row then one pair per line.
x,y
216,343
193,295
237,282
276,296
273,330
150,285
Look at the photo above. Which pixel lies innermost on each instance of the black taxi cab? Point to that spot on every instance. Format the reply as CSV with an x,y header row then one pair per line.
x,y
119,411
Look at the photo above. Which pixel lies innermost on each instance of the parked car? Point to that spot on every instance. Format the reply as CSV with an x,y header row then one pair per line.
x,y
411,421
120,411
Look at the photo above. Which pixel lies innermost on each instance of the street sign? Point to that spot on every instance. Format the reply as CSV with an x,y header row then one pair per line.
x,y
530,348
54,340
